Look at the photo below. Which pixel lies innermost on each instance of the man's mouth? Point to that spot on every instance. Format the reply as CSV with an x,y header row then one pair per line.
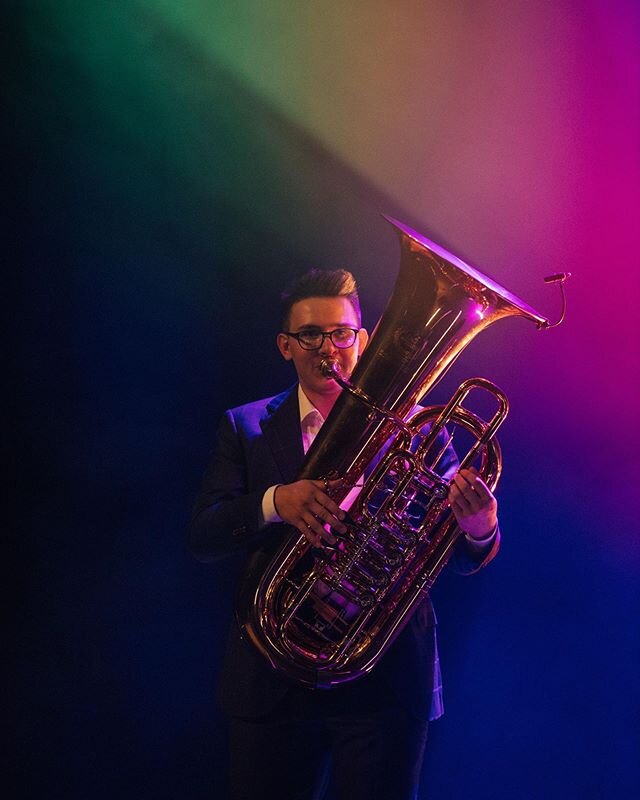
x,y
319,366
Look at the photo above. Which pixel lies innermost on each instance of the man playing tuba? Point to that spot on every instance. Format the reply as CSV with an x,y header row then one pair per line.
x,y
366,738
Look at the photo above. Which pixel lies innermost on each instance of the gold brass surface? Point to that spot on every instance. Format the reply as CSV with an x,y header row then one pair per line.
x,y
326,616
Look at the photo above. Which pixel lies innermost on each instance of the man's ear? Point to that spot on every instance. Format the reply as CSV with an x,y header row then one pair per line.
x,y
363,338
284,346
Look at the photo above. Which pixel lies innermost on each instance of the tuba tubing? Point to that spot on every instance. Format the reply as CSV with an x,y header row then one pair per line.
x,y
326,616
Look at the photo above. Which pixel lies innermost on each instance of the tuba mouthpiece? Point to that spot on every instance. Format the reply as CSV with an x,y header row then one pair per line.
x,y
330,369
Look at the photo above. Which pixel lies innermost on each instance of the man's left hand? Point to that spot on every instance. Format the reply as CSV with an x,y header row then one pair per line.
x,y
474,506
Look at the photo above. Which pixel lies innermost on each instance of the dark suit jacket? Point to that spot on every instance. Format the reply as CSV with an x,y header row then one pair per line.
x,y
259,445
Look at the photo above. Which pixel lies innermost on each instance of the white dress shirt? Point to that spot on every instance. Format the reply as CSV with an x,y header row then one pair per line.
x,y
311,420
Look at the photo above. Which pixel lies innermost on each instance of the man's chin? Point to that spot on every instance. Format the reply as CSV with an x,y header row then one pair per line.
x,y
329,386
325,386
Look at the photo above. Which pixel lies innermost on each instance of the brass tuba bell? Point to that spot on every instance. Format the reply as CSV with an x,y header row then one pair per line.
x,y
326,617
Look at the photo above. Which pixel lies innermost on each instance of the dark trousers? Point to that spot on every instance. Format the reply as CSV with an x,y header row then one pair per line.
x,y
346,744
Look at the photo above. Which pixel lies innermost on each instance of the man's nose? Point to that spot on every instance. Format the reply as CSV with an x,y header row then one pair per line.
x,y
327,346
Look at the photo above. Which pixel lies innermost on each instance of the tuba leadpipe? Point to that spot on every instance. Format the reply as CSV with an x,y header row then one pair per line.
x,y
326,616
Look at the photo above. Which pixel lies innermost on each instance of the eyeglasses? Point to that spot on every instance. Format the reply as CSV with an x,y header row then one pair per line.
x,y
313,338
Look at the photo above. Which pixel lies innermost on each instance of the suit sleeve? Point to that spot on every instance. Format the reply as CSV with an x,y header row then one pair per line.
x,y
467,557
226,514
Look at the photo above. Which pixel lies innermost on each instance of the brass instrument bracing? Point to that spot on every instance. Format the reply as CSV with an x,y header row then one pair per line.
x,y
326,616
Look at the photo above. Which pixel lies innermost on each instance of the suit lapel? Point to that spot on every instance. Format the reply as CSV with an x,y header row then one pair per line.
x,y
281,430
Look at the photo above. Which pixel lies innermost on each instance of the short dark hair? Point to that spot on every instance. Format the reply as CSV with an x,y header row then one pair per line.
x,y
320,283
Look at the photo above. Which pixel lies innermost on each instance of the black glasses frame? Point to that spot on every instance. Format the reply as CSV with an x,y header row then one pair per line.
x,y
324,335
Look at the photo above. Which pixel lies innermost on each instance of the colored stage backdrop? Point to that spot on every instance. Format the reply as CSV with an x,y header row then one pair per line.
x,y
172,164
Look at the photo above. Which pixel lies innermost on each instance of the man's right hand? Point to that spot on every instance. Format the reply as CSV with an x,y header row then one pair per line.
x,y
306,505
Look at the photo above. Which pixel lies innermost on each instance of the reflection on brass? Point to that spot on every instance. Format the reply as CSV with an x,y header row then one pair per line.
x,y
326,617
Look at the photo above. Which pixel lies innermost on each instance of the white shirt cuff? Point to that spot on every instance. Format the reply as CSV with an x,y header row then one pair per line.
x,y
485,540
269,513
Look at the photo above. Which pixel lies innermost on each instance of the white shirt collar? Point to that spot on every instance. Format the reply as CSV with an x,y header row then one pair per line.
x,y
306,406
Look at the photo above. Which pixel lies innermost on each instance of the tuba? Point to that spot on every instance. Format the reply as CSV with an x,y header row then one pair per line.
x,y
326,616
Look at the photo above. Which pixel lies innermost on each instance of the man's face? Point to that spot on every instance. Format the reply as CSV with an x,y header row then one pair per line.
x,y
326,314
